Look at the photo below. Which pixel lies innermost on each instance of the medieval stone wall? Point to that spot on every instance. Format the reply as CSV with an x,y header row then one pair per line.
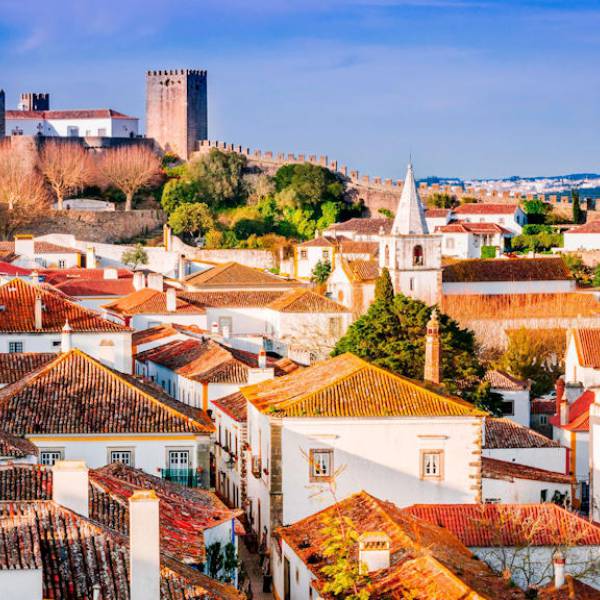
x,y
176,109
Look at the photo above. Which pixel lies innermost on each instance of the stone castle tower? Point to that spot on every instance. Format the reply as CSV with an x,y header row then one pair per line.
x,y
176,109
412,255
2,115
32,101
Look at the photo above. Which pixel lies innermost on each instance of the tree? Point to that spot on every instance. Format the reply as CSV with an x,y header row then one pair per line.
x,y
386,212
191,220
440,200
577,214
384,288
176,192
66,167
536,210
135,256
129,168
321,272
313,184
218,177
392,333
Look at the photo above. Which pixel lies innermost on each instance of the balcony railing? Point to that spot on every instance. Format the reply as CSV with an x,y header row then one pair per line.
x,y
187,477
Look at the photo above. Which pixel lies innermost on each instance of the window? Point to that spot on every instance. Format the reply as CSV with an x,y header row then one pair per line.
x,y
543,419
432,464
49,457
411,284
62,263
72,131
450,243
179,459
387,256
418,256
501,220
543,495
102,132
225,323
321,465
14,347
335,327
492,500
508,408
56,343
303,255
326,254
122,456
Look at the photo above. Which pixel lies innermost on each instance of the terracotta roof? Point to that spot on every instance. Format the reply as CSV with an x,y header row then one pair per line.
x,y
15,365
509,471
88,397
507,269
573,589
579,414
426,561
543,407
25,482
185,513
58,276
488,525
234,405
304,301
437,213
12,446
75,553
99,113
587,344
150,302
369,226
7,268
319,242
40,247
361,270
232,274
590,227
347,386
164,330
231,298
18,299
357,247
477,228
97,287
501,380
485,209
504,433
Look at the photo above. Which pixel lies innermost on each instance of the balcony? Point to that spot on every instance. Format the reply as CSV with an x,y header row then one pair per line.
x,y
186,477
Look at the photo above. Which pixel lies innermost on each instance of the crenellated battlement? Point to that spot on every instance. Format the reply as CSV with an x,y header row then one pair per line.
x,y
172,72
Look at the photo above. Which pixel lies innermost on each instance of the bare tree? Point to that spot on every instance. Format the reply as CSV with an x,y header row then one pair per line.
x,y
66,167
23,195
129,168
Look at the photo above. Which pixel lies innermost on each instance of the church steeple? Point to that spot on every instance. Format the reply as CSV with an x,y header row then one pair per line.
x,y
410,214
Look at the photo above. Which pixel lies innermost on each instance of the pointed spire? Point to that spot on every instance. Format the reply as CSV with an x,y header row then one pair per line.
x,y
410,215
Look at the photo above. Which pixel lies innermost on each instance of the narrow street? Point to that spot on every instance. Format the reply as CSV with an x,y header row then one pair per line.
x,y
250,562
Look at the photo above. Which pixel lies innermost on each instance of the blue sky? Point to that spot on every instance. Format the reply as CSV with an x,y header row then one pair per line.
x,y
471,88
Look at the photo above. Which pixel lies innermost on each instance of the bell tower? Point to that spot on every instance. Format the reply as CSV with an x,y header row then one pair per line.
x,y
411,253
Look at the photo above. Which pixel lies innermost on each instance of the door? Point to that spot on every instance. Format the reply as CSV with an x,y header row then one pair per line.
x,y
179,459
286,579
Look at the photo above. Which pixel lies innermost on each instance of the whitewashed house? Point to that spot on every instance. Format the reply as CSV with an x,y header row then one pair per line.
x,y
33,319
304,426
308,254
548,275
508,216
582,237
75,408
522,540
17,450
468,240
582,358
437,217
31,253
352,283
515,395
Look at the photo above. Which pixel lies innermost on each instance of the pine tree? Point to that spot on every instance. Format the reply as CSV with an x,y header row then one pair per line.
x,y
577,214
384,289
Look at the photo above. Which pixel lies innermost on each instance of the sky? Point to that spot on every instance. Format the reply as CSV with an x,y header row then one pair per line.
x,y
469,88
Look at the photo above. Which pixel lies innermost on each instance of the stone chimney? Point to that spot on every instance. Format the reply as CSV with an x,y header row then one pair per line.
x,y
181,267
433,351
144,546
171,300
559,386
70,485
373,552
90,258
564,412
37,312
558,561
111,273
24,245
139,281
65,340
262,359
155,281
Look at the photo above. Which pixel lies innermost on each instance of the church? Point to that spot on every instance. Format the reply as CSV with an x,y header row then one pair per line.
x,y
412,255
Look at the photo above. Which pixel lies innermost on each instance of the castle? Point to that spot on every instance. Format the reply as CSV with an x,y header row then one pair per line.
x,y
177,109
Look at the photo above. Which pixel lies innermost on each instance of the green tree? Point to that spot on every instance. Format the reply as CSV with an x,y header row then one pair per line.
x,y
440,200
219,178
536,210
577,213
312,183
321,272
391,334
191,220
384,288
596,280
134,257
214,560
386,212
177,192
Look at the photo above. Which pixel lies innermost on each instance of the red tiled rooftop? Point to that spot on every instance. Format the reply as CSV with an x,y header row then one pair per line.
x,y
15,365
370,226
164,330
306,301
18,299
503,381
12,446
477,228
543,407
96,287
234,406
7,268
232,274
437,213
504,433
509,471
579,414
361,270
231,298
57,276
150,302
590,227
86,113
41,247
521,525
587,345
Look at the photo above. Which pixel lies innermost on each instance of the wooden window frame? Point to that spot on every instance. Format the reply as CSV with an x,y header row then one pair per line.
x,y
60,451
313,478
112,449
422,453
